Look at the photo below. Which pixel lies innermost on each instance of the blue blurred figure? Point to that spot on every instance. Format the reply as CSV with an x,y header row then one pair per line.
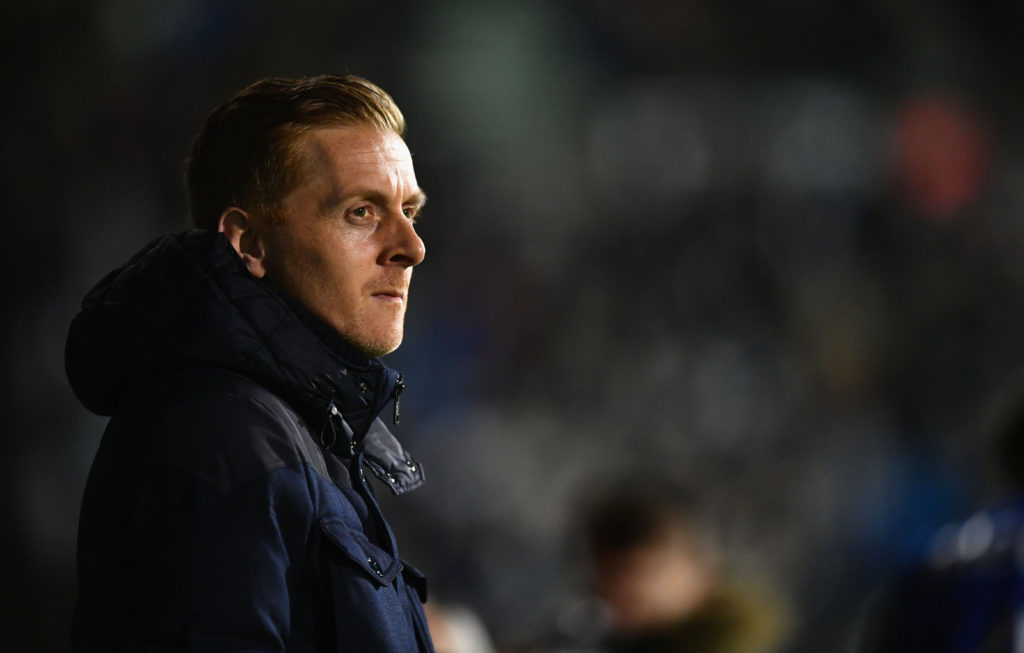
x,y
967,595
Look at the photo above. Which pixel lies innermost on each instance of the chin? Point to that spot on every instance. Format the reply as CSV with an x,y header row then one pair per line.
x,y
378,344
374,351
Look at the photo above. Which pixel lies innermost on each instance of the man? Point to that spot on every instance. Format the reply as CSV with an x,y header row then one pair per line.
x,y
227,508
662,584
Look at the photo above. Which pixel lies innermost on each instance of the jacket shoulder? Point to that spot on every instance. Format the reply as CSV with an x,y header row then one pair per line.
x,y
214,424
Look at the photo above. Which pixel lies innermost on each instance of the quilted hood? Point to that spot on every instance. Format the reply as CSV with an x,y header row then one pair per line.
x,y
187,300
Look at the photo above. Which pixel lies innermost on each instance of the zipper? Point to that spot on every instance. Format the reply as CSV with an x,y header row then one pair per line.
x,y
399,386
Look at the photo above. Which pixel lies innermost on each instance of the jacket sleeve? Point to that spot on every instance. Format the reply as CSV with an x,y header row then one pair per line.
x,y
213,509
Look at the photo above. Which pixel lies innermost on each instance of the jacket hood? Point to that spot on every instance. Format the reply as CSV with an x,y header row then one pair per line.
x,y
187,300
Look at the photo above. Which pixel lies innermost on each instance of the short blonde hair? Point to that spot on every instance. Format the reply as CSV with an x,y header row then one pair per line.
x,y
245,155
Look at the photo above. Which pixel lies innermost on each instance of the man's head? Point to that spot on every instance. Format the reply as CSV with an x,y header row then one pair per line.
x,y
314,187
652,564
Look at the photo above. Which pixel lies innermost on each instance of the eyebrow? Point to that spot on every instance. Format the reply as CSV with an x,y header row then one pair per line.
x,y
418,199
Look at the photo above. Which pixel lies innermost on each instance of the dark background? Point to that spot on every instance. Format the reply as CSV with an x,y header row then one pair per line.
x,y
768,250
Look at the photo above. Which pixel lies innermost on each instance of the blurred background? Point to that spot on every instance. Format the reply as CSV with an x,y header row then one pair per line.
x,y
768,251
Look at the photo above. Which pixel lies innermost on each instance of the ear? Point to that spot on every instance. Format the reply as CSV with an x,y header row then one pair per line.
x,y
238,226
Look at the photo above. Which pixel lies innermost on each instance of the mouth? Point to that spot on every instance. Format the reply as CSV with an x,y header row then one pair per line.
x,y
390,295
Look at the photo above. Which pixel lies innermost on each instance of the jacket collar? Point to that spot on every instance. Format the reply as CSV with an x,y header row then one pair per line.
x,y
299,355
382,451
187,300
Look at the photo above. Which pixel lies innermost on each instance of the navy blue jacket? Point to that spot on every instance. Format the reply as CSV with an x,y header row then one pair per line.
x,y
228,507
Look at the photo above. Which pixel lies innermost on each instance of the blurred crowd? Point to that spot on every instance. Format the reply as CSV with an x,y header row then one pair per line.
x,y
765,254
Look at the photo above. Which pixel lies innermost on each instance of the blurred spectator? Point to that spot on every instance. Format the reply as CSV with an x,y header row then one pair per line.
x,y
663,583
967,594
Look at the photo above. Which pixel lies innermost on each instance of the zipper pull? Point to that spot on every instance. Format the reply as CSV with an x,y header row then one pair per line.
x,y
329,425
399,386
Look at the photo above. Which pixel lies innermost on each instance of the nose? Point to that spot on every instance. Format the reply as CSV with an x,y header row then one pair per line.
x,y
404,246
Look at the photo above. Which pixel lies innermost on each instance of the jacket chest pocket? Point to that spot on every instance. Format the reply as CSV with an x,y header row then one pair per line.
x,y
373,607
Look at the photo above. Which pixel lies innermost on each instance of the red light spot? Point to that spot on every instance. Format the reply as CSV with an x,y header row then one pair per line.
x,y
943,156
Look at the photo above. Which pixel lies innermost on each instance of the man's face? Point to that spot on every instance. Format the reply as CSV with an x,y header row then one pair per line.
x,y
653,584
345,243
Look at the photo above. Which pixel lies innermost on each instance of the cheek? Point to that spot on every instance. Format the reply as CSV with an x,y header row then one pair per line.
x,y
296,269
337,280
312,256
327,266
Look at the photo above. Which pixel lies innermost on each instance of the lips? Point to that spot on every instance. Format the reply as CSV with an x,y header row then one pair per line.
x,y
389,294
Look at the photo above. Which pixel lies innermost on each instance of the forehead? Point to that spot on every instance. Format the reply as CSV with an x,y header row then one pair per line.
x,y
355,151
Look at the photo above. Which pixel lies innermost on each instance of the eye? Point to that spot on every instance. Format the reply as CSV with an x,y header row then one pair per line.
x,y
409,212
361,214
